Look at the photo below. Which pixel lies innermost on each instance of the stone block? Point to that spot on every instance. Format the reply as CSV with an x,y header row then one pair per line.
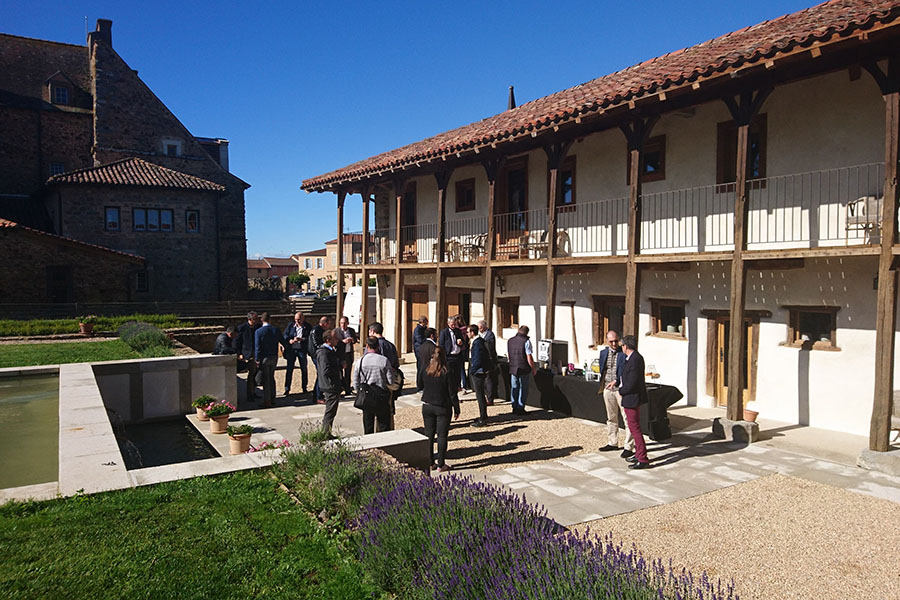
x,y
161,394
405,445
883,462
735,431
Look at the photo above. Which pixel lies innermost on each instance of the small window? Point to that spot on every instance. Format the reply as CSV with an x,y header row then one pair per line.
x,y
813,327
726,151
509,312
171,149
141,282
320,263
667,318
165,220
139,219
57,167
654,161
308,263
152,219
333,258
112,218
465,195
60,94
192,221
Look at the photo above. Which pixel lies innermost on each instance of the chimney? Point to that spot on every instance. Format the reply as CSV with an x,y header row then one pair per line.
x,y
102,34
512,99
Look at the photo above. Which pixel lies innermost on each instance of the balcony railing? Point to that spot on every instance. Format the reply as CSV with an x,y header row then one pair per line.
x,y
352,248
836,207
383,248
466,240
521,234
699,219
418,243
598,228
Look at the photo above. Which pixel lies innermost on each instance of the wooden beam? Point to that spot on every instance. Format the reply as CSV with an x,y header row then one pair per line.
x,y
398,185
399,339
463,271
886,308
514,270
439,316
555,155
488,307
443,179
576,269
492,170
364,316
339,312
775,264
667,266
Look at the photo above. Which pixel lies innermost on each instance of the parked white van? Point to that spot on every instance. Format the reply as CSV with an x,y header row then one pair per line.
x,y
353,307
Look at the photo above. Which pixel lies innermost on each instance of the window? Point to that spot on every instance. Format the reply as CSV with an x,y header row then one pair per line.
x,y
509,312
60,94
112,218
465,195
139,219
565,199
192,221
667,318
320,263
152,219
308,263
333,258
165,220
813,327
57,167
141,282
171,147
654,161
609,315
726,151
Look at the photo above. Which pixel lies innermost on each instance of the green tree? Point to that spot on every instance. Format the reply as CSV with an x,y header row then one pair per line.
x,y
298,278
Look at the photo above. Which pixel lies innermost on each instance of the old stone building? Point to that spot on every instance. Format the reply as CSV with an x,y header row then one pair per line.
x,y
91,154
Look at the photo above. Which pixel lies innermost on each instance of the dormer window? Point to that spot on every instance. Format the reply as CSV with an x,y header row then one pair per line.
x,y
171,147
60,94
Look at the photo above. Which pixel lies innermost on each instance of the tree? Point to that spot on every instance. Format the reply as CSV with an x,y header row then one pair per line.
x,y
298,278
329,283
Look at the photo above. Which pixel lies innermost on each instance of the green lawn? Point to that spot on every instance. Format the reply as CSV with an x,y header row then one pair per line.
x,y
232,536
22,355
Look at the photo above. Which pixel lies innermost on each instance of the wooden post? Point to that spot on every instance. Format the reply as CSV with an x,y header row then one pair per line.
x,y
442,178
886,308
491,169
339,312
742,111
399,185
364,317
555,155
488,307
636,133
439,316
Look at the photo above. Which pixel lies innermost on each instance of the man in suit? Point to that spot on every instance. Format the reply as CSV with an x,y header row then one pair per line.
x,y
420,333
295,342
345,350
612,361
480,366
490,342
328,372
316,339
521,369
266,340
423,356
244,343
634,393
453,345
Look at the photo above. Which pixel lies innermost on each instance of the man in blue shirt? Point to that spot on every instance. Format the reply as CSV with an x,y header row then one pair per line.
x,y
266,341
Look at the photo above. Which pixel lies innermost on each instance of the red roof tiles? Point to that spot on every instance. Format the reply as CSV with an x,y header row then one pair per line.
x,y
13,225
136,172
748,45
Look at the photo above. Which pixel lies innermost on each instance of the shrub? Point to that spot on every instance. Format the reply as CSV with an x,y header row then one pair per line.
x,y
239,430
203,401
143,336
217,409
15,327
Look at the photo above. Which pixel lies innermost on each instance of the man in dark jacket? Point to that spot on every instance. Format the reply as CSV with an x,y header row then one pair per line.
x,y
244,344
633,390
480,366
452,342
328,373
521,367
296,344
316,339
420,333
224,342
266,340
423,356
490,342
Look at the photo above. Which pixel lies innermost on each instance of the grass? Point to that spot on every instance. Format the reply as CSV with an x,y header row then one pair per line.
x,y
233,536
14,327
23,355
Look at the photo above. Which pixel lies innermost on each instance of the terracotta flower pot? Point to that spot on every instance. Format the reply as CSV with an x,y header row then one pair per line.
x,y
218,424
86,328
750,415
201,415
238,444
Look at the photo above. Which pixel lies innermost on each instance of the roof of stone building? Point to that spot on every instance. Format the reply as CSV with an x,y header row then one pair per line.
x,y
281,262
747,46
257,263
27,63
6,223
135,171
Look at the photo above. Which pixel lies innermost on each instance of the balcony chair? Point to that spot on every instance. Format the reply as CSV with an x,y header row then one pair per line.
x,y
864,214
473,251
538,249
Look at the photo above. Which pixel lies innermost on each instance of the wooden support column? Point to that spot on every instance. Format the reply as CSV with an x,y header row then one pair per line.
x,y
555,155
364,316
743,110
492,170
339,312
886,308
488,307
442,178
399,185
636,133
439,317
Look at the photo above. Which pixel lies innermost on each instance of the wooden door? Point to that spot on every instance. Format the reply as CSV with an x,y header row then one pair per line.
x,y
458,303
408,222
416,306
513,206
723,327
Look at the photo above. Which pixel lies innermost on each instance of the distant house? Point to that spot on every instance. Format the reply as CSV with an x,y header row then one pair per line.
x,y
89,153
281,267
257,268
316,264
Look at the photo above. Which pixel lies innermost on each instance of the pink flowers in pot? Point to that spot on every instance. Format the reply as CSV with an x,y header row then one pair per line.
x,y
221,408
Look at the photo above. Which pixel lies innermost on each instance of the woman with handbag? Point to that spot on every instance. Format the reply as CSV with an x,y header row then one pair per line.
x,y
438,397
372,377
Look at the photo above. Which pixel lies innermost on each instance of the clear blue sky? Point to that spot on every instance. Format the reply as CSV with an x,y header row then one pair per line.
x,y
302,88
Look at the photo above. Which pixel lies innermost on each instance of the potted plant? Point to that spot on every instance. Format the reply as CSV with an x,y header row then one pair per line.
x,y
239,438
218,416
751,411
86,324
200,404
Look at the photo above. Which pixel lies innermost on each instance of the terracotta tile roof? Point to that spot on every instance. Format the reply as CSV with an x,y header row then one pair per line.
x,y
13,225
255,263
135,171
280,262
319,252
749,45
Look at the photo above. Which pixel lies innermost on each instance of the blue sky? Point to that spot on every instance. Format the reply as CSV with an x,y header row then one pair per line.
x,y
302,88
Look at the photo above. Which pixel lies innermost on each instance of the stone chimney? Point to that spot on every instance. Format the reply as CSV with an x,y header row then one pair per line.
x,y
102,34
511,104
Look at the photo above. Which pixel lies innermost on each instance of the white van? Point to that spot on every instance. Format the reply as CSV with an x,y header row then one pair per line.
x,y
353,307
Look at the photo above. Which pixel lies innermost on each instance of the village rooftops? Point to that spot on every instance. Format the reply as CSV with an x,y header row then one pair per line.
x,y
135,171
685,71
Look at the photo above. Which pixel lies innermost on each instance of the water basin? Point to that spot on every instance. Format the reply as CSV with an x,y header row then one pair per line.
x,y
29,446
161,443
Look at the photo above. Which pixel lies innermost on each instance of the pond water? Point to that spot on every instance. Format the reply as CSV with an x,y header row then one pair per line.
x,y
161,443
29,446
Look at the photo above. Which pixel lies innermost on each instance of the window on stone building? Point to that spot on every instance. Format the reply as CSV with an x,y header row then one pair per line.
x,y
813,327
192,221
509,312
667,318
307,263
565,198
165,220
333,258
60,94
139,219
320,263
171,147
654,161
141,282
465,195
112,218
57,167
152,219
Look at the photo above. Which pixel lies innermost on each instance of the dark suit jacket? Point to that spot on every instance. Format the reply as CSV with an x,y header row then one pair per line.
x,y
418,337
480,359
447,341
292,331
316,340
224,345
620,363
490,341
244,343
632,387
328,370
423,357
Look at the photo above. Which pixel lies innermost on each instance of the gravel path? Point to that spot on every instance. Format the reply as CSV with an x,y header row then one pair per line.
x,y
777,536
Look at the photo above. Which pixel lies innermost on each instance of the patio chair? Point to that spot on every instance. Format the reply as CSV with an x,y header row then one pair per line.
x,y
864,214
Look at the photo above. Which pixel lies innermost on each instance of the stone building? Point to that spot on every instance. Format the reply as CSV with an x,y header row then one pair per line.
x,y
91,154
